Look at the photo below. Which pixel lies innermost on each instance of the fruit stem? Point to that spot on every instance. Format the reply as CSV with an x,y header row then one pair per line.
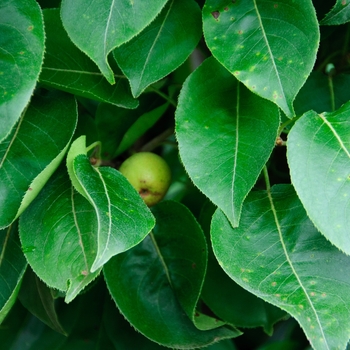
x,y
154,143
267,179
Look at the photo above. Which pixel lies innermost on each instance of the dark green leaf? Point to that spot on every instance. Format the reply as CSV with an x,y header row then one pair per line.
x,y
67,68
339,14
21,56
33,150
156,281
269,46
97,27
216,121
319,158
317,93
58,234
277,254
162,46
12,267
38,299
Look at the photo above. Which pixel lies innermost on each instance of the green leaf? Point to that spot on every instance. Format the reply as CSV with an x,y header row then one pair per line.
x,y
67,68
33,150
97,27
277,254
339,14
22,51
269,46
319,158
12,267
227,299
36,297
318,90
58,234
216,119
123,218
156,281
162,46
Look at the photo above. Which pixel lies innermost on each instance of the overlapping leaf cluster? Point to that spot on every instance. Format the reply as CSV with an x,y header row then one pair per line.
x,y
87,83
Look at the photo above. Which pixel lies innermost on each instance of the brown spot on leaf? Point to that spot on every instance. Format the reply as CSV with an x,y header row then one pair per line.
x,y
226,8
215,14
30,28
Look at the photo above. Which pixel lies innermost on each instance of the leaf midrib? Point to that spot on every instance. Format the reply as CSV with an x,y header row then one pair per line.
x,y
274,211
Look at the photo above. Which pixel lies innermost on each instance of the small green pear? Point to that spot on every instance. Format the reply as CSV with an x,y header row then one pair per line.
x,y
149,174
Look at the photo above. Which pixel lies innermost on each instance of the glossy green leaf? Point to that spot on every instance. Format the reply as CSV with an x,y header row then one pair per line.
x,y
269,46
318,90
21,56
277,254
97,27
162,46
319,158
66,68
58,234
33,150
12,267
216,119
156,284
38,298
123,218
227,299
339,14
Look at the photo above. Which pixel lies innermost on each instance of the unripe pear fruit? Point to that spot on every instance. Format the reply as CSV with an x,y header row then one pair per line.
x,y
149,174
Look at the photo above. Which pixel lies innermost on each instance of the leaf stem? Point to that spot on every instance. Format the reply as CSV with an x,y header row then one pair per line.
x,y
161,94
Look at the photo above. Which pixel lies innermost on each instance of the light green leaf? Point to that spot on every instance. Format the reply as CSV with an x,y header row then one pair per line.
x,y
339,14
162,46
66,68
319,159
123,218
97,27
21,56
58,234
33,150
277,254
12,267
269,46
216,119
156,284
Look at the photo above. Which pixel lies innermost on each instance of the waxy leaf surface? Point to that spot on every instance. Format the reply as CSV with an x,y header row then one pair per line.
x,y
216,119
269,46
97,27
123,218
319,159
58,235
21,56
33,150
162,46
66,68
339,14
156,284
12,267
277,254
